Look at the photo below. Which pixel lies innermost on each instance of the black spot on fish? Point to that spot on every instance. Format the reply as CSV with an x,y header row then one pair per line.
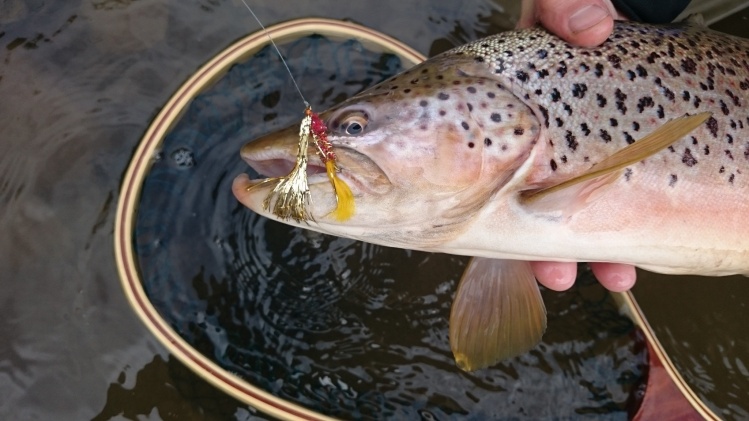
x,y
443,96
496,117
601,100
423,103
696,101
712,125
687,158
613,122
572,141
706,150
628,174
628,138
470,106
599,70
729,154
730,178
729,139
645,101
538,92
567,108
542,73
620,97
635,126
605,135
471,145
631,75
724,107
615,61
652,57
487,141
518,131
553,165
672,180
579,89
521,75
562,69
689,66
641,71
685,95
465,125
559,121
491,94
661,113
564,159
542,53
555,95
585,129
443,112
722,170
668,94
471,89
734,97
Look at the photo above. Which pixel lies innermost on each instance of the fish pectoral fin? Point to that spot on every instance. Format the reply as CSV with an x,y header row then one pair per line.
x,y
497,313
607,171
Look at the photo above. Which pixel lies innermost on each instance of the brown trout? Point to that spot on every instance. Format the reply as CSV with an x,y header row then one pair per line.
x,y
520,147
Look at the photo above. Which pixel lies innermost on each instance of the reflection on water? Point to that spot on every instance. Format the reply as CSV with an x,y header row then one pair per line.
x,y
79,83
347,328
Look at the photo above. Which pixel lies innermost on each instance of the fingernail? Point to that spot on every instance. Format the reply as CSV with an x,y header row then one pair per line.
x,y
587,17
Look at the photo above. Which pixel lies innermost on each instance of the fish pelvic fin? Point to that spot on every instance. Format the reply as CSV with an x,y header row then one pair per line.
x,y
498,313
608,170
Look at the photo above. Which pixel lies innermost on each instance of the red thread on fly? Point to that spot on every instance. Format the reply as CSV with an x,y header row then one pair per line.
x,y
344,197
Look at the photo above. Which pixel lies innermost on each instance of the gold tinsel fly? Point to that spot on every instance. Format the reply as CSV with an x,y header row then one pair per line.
x,y
290,198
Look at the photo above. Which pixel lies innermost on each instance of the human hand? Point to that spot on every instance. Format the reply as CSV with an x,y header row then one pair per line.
x,y
585,23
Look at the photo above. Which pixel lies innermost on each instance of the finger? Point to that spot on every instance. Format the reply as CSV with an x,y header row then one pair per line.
x,y
558,276
585,23
527,14
615,277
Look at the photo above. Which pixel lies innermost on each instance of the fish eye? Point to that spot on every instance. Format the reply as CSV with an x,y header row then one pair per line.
x,y
354,123
354,128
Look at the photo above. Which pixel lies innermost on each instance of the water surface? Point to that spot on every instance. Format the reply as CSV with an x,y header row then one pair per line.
x,y
79,83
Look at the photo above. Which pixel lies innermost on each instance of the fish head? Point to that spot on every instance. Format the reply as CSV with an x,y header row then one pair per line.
x,y
422,152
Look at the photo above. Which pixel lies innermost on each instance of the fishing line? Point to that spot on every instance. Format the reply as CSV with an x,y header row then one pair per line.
x,y
265,31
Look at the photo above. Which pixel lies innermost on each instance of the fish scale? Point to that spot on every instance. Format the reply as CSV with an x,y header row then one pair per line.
x,y
594,102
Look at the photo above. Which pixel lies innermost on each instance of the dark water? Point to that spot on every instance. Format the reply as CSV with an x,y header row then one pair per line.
x,y
79,83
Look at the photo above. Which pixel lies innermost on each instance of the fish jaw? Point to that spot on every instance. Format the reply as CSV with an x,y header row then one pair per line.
x,y
274,155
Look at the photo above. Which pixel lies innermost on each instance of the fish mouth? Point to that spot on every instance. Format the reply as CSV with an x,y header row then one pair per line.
x,y
357,169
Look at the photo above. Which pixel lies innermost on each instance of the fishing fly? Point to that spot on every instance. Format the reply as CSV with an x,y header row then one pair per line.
x,y
290,198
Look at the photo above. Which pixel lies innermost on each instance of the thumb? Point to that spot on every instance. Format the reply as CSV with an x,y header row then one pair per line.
x,y
585,23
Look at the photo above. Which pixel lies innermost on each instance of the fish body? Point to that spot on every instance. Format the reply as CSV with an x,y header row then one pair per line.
x,y
449,155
